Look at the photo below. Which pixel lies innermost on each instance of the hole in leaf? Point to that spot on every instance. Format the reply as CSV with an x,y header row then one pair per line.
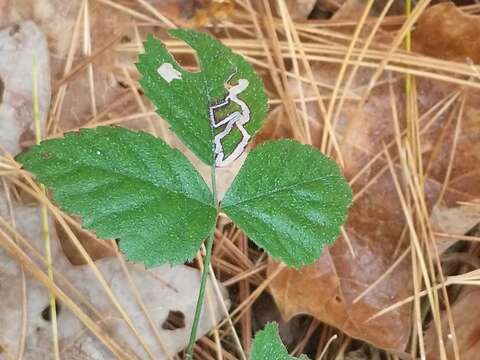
x,y
46,312
188,61
175,320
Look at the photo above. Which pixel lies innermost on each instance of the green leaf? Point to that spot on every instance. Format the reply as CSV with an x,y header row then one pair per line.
x,y
184,98
289,199
128,185
267,345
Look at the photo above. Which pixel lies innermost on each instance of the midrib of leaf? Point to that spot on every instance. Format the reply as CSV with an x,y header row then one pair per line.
x,y
285,188
271,222
139,179
130,209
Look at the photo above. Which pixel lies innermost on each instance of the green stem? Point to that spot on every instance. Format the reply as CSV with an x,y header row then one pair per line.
x,y
206,266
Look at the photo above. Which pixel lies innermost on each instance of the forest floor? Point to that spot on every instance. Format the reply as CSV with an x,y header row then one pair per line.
x,y
389,89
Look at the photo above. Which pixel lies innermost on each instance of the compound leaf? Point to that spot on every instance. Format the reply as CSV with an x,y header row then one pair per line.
x,y
130,186
186,100
289,199
267,345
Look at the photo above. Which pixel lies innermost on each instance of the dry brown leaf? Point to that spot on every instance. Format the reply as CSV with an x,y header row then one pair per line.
x,y
327,289
106,25
465,313
444,31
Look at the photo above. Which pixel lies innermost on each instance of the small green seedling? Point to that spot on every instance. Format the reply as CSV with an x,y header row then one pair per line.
x,y
267,345
288,198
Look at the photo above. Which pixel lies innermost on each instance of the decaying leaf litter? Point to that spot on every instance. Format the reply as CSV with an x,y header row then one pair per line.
x,y
405,153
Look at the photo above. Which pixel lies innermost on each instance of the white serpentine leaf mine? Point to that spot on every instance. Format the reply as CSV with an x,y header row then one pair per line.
x,y
237,118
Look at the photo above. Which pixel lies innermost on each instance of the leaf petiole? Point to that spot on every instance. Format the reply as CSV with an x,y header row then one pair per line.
x,y
206,267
